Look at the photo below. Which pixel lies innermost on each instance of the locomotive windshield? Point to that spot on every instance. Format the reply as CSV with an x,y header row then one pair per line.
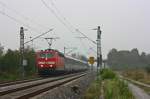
x,y
42,55
49,55
46,55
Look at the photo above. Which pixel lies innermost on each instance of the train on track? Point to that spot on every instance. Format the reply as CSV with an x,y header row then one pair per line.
x,y
52,61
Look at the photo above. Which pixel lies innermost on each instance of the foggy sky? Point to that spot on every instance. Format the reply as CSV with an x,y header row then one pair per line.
x,y
125,24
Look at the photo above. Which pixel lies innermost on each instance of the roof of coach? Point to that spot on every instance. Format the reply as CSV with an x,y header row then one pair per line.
x,y
67,56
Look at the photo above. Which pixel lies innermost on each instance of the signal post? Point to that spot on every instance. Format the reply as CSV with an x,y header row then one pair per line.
x,y
22,50
99,53
91,60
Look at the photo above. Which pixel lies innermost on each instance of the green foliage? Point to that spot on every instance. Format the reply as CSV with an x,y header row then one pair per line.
x,y
30,57
107,74
10,61
113,87
116,89
8,77
10,67
1,50
93,92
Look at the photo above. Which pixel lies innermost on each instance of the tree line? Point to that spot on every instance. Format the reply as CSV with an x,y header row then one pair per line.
x,y
125,59
10,63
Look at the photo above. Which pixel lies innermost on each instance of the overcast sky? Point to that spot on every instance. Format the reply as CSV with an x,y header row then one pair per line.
x,y
125,24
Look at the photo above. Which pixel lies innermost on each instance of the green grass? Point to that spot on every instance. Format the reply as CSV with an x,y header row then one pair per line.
x,y
93,92
107,74
138,75
116,89
5,77
113,87
8,77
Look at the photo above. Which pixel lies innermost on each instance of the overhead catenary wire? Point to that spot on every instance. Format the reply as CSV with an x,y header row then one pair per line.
x,y
59,19
18,21
77,30
38,36
22,15
59,12
84,45
80,38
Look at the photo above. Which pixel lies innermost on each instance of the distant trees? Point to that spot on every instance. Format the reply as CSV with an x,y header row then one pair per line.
x,y
127,59
1,50
10,61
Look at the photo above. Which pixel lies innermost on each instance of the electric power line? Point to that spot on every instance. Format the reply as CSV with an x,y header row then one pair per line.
x,y
59,19
23,16
38,36
77,30
18,21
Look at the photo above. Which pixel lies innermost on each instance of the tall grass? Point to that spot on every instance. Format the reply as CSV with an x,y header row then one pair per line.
x,y
93,92
113,87
116,89
107,74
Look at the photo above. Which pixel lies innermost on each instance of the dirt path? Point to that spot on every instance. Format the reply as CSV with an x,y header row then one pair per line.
x,y
138,92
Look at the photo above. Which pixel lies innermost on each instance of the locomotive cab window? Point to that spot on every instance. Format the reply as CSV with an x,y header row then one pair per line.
x,y
42,55
50,55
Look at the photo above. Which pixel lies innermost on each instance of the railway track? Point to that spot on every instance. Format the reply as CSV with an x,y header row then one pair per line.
x,y
3,84
33,88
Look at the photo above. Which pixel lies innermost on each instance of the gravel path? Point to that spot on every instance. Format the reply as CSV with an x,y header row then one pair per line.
x,y
138,92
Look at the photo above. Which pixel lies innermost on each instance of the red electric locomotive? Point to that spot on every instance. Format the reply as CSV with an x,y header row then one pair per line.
x,y
52,61
49,60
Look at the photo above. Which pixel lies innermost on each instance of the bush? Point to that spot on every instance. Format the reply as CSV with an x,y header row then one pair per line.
x,y
121,90
107,74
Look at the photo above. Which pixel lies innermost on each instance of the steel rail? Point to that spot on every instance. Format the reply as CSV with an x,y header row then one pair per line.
x,y
19,87
8,83
48,87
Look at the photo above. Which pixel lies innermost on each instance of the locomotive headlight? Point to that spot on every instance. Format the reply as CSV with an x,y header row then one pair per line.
x,y
41,62
41,65
51,65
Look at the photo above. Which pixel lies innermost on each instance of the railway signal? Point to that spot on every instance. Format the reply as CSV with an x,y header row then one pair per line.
x,y
91,60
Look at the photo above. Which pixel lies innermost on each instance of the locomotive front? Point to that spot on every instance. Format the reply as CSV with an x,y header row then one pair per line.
x,y
46,61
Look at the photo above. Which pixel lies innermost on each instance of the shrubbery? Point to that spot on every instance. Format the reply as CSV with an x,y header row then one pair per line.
x,y
10,68
116,89
107,74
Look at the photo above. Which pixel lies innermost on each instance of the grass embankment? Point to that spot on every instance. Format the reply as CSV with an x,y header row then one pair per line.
x,y
94,91
140,75
6,77
112,86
